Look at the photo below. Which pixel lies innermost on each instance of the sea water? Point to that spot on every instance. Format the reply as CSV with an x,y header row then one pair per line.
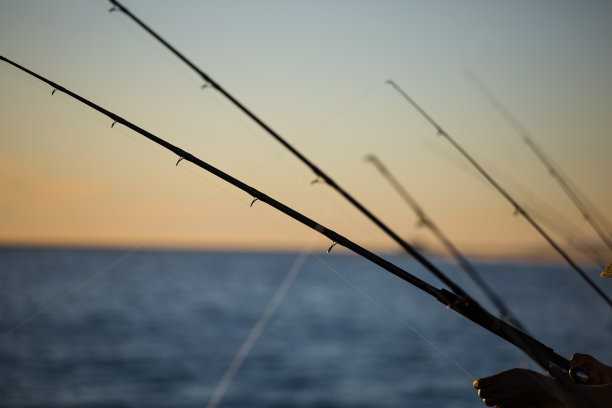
x,y
125,328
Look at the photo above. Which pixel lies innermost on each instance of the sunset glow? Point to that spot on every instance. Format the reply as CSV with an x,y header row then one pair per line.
x,y
315,72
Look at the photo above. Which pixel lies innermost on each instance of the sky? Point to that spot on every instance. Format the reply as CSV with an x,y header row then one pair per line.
x,y
314,71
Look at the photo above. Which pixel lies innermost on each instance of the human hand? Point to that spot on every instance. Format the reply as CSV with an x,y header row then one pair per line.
x,y
598,372
517,388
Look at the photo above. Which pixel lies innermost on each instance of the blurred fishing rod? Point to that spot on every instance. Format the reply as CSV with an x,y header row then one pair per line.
x,y
208,81
547,216
553,170
518,209
426,222
567,232
543,355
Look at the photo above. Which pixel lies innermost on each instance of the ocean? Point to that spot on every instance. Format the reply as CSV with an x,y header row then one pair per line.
x,y
159,328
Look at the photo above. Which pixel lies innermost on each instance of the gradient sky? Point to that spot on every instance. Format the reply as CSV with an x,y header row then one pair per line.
x,y
315,71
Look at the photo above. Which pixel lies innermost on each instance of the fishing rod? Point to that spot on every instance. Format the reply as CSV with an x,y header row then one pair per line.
x,y
543,355
567,235
518,209
425,221
574,195
318,172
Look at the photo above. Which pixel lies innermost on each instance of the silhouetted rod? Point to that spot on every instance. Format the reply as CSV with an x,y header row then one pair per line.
x,y
517,207
574,196
318,172
426,222
540,353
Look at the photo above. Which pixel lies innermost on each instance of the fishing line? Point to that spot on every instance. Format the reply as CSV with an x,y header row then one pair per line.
x,y
315,128
341,111
146,41
70,102
74,290
27,78
394,316
552,219
257,329
29,319
517,208
577,197
356,221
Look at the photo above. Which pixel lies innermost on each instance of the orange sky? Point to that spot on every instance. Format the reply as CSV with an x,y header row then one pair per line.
x,y
315,72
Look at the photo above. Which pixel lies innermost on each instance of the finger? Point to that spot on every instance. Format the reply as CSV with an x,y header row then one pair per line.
x,y
485,394
485,381
489,402
579,358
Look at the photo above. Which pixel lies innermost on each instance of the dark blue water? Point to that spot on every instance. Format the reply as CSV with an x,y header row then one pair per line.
x,y
159,329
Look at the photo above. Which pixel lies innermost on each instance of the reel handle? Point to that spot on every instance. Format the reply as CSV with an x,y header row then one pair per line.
x,y
578,375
